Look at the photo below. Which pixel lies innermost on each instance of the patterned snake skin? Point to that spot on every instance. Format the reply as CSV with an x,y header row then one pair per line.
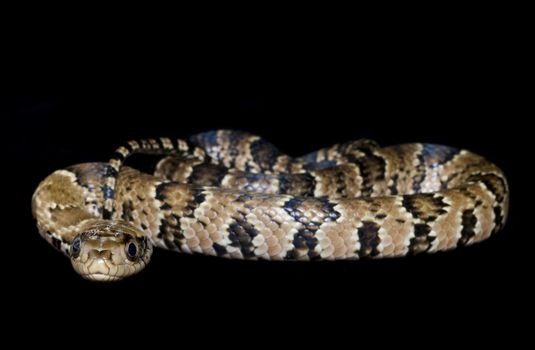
x,y
232,194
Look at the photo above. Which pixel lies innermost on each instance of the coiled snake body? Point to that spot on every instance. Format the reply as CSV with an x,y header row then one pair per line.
x,y
232,194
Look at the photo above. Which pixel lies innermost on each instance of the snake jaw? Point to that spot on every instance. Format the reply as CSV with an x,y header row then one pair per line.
x,y
109,251
100,277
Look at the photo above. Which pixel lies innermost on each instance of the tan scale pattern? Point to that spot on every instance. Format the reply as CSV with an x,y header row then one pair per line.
x,y
238,180
136,193
218,201
275,227
484,213
447,227
339,182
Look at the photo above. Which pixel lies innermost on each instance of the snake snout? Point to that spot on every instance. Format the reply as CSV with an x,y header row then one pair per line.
x,y
100,254
109,251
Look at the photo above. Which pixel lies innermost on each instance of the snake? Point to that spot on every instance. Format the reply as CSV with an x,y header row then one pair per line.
x,y
232,194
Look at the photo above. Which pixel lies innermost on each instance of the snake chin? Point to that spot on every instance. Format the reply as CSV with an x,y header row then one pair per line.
x,y
100,277
108,251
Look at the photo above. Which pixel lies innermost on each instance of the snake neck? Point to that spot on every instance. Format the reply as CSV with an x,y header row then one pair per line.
x,y
67,200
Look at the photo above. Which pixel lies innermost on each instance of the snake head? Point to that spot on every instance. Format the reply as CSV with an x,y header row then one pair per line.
x,y
109,250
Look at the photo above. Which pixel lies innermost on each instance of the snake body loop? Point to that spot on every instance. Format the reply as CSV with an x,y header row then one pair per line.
x,y
234,195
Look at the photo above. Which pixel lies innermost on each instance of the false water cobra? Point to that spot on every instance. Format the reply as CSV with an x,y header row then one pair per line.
x,y
234,195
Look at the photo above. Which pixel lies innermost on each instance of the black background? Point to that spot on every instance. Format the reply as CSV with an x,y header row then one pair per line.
x,y
457,91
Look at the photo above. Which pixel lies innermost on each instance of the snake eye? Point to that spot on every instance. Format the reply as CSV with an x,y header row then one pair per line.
x,y
75,246
132,250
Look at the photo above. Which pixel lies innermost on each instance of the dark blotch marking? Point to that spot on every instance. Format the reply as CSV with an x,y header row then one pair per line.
x,y
292,206
295,208
372,169
297,185
128,209
110,171
421,230
165,206
170,244
129,148
469,221
400,154
233,138
253,177
199,197
264,154
498,187
394,187
494,184
206,174
171,232
160,189
369,239
107,191
189,210
219,249
241,234
498,219
420,172
106,214
421,242
436,204
305,238
118,157
324,164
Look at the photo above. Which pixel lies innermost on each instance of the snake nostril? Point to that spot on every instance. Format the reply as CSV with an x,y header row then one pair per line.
x,y
100,254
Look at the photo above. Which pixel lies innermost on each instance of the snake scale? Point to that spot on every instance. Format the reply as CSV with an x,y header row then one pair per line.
x,y
232,194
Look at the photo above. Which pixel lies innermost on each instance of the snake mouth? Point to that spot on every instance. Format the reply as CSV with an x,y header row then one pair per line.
x,y
100,277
